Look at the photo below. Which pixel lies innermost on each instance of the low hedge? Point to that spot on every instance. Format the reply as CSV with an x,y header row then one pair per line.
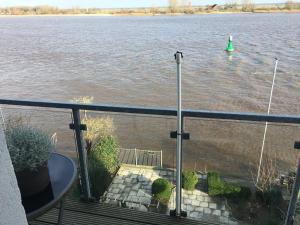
x,y
272,197
217,187
162,190
189,180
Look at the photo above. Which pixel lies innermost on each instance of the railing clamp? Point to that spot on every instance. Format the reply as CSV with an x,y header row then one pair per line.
x,y
185,136
81,126
182,213
297,145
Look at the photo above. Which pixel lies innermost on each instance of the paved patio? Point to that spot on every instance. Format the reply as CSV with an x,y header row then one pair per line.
x,y
131,188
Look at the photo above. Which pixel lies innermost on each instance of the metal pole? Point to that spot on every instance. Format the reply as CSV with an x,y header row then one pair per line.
x,y
178,58
266,125
161,159
293,202
135,156
82,155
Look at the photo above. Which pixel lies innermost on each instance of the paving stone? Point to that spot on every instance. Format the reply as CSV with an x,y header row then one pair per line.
x,y
207,199
199,209
212,205
223,207
200,198
225,213
232,223
128,180
187,201
204,204
121,186
115,190
132,193
195,202
224,219
127,189
191,196
134,176
190,208
207,211
194,214
216,212
136,187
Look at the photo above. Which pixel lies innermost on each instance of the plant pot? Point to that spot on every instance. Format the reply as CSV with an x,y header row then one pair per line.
x,y
33,182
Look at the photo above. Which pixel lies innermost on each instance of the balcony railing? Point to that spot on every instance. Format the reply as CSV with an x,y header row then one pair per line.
x,y
161,122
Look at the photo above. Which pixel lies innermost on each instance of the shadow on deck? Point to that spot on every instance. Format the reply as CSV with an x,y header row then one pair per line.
x,y
81,213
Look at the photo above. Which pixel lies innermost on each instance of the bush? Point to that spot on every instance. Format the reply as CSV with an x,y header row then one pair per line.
x,y
217,187
272,197
97,128
189,180
162,190
29,147
103,163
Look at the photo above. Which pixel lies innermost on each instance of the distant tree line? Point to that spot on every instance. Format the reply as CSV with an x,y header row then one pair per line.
x,y
175,6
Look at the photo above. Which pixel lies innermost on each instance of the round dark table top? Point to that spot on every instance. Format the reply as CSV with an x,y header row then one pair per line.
x,y
62,172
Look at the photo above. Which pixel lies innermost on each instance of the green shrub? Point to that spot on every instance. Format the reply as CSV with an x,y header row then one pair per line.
x,y
162,190
29,147
102,164
189,180
217,187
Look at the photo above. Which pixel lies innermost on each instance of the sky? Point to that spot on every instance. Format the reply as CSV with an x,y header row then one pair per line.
x,y
113,3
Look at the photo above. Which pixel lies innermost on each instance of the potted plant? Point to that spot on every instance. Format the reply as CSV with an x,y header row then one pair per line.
x,y
29,150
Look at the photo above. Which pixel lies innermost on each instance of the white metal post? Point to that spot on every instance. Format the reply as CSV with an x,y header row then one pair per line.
x,y
178,58
266,125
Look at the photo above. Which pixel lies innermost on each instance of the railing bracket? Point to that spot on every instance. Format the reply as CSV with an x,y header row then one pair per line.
x,y
82,126
185,136
182,213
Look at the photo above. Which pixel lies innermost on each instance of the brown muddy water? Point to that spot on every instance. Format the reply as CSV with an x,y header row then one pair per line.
x,y
129,61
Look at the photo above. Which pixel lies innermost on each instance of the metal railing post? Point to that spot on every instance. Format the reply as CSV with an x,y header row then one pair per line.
x,y
178,58
161,166
82,155
135,156
293,202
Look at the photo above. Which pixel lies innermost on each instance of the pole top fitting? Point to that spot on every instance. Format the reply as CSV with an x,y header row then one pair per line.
x,y
178,56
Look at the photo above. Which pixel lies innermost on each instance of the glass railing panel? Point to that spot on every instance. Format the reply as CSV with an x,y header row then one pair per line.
x,y
226,156
55,122
140,152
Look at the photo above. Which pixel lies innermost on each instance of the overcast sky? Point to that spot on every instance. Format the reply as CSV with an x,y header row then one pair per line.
x,y
113,3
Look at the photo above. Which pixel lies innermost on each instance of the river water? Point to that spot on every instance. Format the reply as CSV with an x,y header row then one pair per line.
x,y
129,61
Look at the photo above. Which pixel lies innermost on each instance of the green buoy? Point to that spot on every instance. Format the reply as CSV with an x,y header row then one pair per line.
x,y
230,45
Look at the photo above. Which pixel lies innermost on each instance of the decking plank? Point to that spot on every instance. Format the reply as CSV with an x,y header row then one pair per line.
x,y
124,213
82,213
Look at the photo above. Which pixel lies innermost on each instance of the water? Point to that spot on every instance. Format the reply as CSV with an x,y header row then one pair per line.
x,y
129,61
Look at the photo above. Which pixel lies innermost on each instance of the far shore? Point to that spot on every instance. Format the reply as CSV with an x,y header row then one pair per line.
x,y
152,14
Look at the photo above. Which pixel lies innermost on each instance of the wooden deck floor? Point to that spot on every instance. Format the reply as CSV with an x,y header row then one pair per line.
x,y
79,213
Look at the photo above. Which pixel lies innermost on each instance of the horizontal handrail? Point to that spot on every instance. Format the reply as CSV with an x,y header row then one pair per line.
x,y
240,116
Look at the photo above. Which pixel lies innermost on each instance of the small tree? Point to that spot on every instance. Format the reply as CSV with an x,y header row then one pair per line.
x,y
268,173
289,5
248,6
97,128
173,4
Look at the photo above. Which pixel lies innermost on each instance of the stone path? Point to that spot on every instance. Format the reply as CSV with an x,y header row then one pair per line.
x,y
131,187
